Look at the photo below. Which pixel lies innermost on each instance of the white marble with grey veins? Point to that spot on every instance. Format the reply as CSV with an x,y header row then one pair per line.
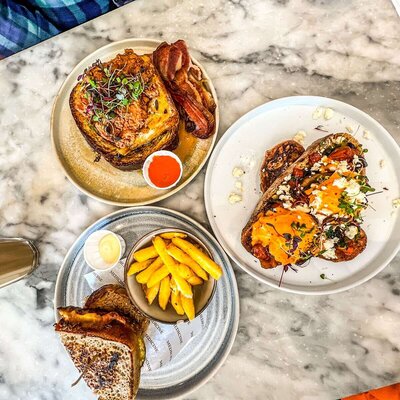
x,y
288,346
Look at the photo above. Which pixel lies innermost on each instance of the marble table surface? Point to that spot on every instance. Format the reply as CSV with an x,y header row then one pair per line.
x,y
288,346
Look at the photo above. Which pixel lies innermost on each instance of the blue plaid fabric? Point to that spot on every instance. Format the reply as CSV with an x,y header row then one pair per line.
x,y
24,23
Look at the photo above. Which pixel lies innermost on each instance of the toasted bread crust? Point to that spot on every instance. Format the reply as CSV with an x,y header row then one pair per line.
x,y
115,298
277,160
302,162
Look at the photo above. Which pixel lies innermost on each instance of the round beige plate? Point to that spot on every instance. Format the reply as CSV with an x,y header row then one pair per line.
x,y
100,180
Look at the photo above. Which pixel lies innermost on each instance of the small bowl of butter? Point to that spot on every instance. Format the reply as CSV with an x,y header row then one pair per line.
x,y
103,249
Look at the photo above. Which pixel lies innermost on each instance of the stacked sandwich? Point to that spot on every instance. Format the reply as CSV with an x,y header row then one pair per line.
x,y
105,341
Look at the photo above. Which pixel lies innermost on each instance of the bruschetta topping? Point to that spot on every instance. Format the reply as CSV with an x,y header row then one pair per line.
x,y
288,235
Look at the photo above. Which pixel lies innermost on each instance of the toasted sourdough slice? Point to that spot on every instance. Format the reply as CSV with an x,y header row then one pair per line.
x,y
337,142
124,111
105,349
277,160
115,298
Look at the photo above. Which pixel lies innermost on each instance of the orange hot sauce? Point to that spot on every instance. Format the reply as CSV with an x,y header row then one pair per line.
x,y
164,171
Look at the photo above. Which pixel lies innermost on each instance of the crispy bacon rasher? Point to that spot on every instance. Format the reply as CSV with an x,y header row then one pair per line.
x,y
185,83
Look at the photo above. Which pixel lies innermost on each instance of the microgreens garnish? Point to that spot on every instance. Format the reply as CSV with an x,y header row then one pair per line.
x,y
320,128
108,95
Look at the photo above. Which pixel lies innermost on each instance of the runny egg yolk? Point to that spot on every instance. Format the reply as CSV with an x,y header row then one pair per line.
x,y
287,234
325,196
109,249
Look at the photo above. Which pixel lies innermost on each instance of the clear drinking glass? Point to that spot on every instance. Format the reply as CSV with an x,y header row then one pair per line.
x,y
18,258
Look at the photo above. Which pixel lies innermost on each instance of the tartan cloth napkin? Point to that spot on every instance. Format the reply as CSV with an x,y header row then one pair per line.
x,y
24,23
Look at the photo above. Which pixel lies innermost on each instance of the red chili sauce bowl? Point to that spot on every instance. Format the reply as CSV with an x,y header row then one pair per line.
x,y
162,170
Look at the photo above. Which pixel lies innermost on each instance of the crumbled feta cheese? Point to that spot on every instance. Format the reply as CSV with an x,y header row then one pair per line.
x,y
323,188
353,188
328,113
300,136
237,172
239,185
235,198
349,129
330,254
342,167
366,134
303,208
317,114
316,203
326,211
288,178
320,217
284,188
396,203
340,183
325,160
351,231
329,244
382,163
316,166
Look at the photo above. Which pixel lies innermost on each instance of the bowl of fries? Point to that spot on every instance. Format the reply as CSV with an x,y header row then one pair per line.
x,y
170,275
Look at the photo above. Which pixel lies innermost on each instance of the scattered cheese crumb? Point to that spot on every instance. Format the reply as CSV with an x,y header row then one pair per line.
x,y
349,129
300,136
317,114
239,185
340,183
237,172
328,113
382,163
351,231
396,203
366,135
235,198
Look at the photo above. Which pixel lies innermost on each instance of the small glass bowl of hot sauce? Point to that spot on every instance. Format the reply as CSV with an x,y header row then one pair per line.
x,y
162,170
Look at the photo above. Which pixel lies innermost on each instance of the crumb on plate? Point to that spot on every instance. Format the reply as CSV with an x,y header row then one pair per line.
x,y
239,185
328,113
237,172
396,203
300,136
317,114
235,198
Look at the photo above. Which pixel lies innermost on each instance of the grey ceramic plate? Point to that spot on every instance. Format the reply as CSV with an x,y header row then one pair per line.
x,y
101,180
202,357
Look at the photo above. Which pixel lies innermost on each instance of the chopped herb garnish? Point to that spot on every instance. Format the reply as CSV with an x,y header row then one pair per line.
x,y
111,92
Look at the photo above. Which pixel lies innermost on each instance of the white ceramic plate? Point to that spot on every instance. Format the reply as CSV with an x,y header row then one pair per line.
x,y
244,144
101,180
